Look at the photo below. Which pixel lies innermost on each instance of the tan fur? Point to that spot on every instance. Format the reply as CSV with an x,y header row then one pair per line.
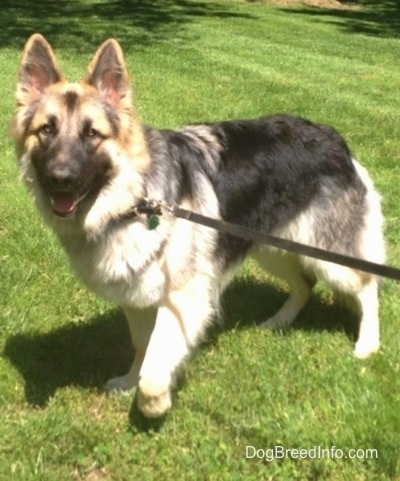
x,y
131,135
142,270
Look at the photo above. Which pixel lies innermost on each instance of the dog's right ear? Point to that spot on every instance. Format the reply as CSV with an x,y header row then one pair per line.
x,y
108,74
38,70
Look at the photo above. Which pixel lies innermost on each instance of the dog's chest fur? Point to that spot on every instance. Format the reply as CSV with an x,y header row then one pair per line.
x,y
123,265
129,264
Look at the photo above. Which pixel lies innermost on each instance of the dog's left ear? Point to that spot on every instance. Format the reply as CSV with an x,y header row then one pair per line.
x,y
38,70
108,74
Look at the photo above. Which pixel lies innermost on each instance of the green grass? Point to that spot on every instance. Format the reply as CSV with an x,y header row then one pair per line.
x,y
193,61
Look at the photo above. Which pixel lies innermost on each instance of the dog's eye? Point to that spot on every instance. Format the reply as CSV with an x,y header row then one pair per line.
x,y
46,129
92,133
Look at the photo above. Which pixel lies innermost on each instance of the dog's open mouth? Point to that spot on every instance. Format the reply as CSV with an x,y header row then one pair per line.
x,y
64,204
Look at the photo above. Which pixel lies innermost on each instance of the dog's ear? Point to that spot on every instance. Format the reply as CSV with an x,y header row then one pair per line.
x,y
38,70
108,74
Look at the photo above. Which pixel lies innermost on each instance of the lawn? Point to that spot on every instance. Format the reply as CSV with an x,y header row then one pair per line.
x,y
303,389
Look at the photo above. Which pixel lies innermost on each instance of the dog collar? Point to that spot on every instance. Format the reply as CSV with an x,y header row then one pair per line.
x,y
151,209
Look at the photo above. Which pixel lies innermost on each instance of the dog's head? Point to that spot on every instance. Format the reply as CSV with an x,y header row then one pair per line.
x,y
74,140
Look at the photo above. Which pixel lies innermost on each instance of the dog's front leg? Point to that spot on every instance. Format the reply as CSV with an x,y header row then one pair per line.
x,y
141,325
180,321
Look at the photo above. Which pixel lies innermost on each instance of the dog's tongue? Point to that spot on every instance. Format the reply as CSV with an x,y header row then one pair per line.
x,y
64,203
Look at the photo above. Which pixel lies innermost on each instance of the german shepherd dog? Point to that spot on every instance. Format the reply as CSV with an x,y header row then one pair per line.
x,y
87,161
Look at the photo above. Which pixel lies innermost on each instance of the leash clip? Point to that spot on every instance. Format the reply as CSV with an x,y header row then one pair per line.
x,y
153,211
149,207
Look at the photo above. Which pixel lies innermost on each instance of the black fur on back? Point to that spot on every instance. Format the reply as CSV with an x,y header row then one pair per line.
x,y
264,172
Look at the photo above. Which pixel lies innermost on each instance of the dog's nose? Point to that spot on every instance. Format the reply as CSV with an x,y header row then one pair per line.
x,y
62,178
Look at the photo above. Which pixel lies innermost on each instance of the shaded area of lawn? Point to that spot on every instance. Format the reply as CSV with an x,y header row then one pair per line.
x,y
367,17
79,23
134,22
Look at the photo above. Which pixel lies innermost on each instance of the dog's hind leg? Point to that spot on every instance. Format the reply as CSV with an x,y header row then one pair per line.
x,y
372,247
360,291
179,323
300,291
288,268
368,336
141,324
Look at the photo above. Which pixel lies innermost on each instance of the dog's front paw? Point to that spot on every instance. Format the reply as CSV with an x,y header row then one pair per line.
x,y
153,400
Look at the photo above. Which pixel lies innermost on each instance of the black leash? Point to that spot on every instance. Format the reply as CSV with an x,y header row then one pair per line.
x,y
154,209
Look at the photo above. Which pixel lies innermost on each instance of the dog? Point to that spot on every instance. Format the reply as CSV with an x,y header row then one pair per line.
x,y
87,161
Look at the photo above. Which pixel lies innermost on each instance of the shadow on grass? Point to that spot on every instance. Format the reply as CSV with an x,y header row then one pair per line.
x,y
257,301
368,17
84,354
78,24
89,354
